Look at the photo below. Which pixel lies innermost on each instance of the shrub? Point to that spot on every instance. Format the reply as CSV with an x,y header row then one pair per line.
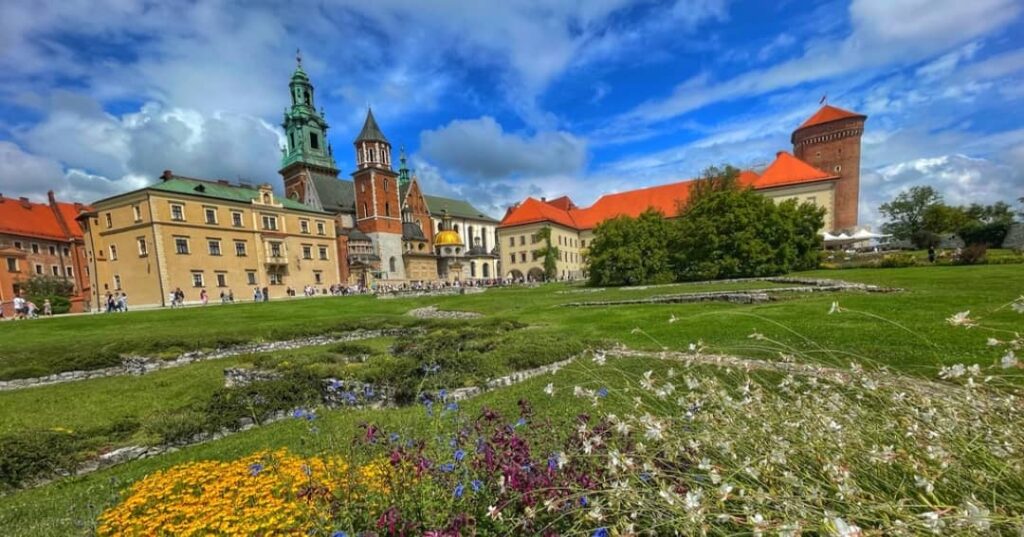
x,y
177,426
897,261
259,400
29,455
631,251
972,255
990,235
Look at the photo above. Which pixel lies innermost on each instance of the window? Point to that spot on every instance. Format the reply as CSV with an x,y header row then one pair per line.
x,y
323,253
304,226
211,215
39,269
12,264
177,212
222,279
314,141
240,248
522,240
511,241
522,257
113,252
387,209
35,248
110,223
137,213
392,264
250,277
813,200
513,258
66,251
69,271
275,278
583,243
17,244
270,222
307,251
214,245
117,282
365,211
317,277
236,219
487,270
321,228
385,184
197,278
53,250
275,249
55,270
181,245
143,250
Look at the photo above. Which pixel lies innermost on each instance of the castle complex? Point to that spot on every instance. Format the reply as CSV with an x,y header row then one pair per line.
x,y
824,169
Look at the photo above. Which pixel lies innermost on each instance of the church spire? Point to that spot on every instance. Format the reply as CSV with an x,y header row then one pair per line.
x,y
305,128
403,169
372,147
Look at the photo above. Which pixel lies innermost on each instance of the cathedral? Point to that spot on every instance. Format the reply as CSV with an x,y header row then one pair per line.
x,y
388,229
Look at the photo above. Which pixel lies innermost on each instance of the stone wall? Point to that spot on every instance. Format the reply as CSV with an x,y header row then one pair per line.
x,y
1014,237
431,312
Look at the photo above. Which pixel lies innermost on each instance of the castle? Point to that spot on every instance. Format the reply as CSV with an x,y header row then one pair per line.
x,y
824,170
388,228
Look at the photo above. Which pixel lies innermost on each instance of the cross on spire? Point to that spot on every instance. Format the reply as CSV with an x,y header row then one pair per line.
x,y
298,57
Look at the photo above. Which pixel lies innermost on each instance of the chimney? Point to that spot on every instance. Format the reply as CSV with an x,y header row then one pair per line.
x,y
166,175
50,196
779,154
544,199
223,182
25,203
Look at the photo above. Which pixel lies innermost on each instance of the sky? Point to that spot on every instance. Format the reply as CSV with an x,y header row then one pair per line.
x,y
496,101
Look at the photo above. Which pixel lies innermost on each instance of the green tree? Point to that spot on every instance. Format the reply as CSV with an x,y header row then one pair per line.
x,y
905,213
631,251
942,218
57,290
549,252
736,233
712,179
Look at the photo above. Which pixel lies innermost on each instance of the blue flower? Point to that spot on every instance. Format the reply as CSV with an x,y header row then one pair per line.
x,y
447,467
255,469
451,407
600,532
299,413
477,485
583,501
459,489
520,422
340,533
552,463
459,455
603,392
442,394
393,437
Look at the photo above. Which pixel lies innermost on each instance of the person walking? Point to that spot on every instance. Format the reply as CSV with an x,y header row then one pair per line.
x,y
20,307
122,302
47,308
203,297
931,253
266,294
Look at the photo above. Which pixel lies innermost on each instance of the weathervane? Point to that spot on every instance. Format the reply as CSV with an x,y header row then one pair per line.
x,y
298,56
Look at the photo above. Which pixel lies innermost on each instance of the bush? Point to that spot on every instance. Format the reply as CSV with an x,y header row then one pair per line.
x,y
897,261
972,255
58,304
29,455
177,426
257,401
631,251
990,235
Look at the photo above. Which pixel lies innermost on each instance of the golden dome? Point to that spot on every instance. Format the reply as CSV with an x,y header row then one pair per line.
x,y
447,238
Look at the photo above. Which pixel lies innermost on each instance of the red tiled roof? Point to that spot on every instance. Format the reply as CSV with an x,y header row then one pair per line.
x,y
70,211
563,203
22,217
828,113
532,210
664,198
789,170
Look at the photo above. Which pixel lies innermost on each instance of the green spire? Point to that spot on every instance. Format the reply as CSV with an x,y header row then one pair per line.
x,y
305,128
403,170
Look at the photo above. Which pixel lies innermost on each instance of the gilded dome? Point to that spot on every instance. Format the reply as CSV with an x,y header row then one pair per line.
x,y
447,238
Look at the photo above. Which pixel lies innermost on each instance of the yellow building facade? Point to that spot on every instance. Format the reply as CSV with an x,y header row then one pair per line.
x,y
194,235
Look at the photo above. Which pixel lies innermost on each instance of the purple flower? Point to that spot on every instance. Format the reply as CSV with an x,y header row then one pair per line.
x,y
583,501
255,469
459,455
393,437
602,392
520,422
459,489
447,467
600,532
476,484
451,407
442,394
339,533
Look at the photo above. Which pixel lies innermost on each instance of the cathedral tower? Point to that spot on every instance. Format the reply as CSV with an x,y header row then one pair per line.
x,y
378,206
307,151
830,141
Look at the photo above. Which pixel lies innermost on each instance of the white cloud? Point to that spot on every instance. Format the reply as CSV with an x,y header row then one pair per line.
x,y
25,174
481,149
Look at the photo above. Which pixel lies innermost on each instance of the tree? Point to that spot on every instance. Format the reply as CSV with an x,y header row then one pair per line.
x,y
549,252
55,289
736,233
906,212
631,251
712,179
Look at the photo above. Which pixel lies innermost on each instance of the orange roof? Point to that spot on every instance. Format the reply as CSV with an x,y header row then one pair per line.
x,y
69,212
532,210
22,217
664,198
828,113
563,203
789,170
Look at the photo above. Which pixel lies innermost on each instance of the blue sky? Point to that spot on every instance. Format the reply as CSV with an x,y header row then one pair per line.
x,y
495,101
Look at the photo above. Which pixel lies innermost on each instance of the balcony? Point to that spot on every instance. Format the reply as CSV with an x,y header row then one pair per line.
x,y
279,259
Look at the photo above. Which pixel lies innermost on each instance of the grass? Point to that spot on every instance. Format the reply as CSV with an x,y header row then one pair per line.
x,y
905,331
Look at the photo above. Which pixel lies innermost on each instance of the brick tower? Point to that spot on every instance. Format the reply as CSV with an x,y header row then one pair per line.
x,y
830,141
378,206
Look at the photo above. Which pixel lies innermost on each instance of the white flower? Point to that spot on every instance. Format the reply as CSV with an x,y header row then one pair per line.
x,y
844,529
952,372
599,358
647,382
962,318
668,495
493,512
549,389
933,521
993,342
1018,305
672,319
622,428
977,516
835,308
923,483
756,335
692,501
1009,360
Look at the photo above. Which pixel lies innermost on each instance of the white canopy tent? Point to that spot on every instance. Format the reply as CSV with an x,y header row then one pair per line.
x,y
842,239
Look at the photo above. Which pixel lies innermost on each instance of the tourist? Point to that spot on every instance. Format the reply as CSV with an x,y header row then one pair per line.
x,y
203,297
20,307
179,297
266,294
931,254
122,302
172,298
33,311
257,294
231,296
47,308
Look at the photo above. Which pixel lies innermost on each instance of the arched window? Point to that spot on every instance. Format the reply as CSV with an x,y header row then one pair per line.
x,y
385,184
469,232
472,269
487,270
387,208
392,264
365,212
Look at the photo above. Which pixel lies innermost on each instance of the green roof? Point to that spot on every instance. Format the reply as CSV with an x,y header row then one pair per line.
x,y
455,208
217,190
336,195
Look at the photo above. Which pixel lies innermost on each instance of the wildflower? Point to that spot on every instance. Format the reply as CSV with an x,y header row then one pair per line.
x,y
493,512
1009,360
476,485
459,455
600,532
977,517
962,318
923,483
755,335
255,469
647,382
339,533
599,357
672,319
549,389
459,489
1018,305
952,372
692,501
451,407
446,467
602,392
835,308
843,529
993,342
520,422
933,521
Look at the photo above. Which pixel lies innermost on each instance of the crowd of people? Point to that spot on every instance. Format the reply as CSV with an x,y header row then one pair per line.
x,y
23,308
